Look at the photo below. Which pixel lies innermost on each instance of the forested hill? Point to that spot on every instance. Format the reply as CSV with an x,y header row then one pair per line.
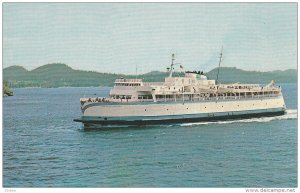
x,y
59,75
232,75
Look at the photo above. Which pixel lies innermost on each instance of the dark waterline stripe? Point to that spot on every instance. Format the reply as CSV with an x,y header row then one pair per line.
x,y
213,117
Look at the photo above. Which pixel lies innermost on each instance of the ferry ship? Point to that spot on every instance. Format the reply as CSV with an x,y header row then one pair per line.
x,y
191,98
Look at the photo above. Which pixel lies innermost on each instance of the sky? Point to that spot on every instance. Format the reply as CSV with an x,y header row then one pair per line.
x,y
125,37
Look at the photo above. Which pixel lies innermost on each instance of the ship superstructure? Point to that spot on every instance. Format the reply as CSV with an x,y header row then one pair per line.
x,y
190,98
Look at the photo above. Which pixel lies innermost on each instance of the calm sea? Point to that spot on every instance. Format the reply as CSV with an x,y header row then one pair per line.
x,y
43,147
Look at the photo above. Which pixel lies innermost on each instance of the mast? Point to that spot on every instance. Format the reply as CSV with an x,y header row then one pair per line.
x,y
221,54
135,72
171,70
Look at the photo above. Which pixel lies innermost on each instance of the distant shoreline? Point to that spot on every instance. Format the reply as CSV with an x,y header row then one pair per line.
x,y
278,83
60,75
131,74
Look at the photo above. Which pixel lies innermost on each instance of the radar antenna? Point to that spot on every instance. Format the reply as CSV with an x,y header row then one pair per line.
x,y
170,69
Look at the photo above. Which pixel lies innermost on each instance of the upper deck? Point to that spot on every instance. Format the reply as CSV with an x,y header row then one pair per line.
x,y
190,87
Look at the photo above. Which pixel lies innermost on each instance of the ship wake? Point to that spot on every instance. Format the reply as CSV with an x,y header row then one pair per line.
x,y
290,114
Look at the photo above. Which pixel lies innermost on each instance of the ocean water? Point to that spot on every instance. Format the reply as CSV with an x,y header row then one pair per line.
x,y
43,147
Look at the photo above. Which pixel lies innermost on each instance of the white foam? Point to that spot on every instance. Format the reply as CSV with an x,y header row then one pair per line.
x,y
290,114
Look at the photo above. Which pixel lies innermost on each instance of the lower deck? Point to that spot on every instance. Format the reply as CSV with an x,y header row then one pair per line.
x,y
94,122
118,111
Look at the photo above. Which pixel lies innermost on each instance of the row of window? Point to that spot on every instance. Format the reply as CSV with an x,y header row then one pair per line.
x,y
205,107
145,97
188,96
121,96
127,84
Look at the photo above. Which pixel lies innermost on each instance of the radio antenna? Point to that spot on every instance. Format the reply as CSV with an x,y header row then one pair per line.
x,y
136,72
221,54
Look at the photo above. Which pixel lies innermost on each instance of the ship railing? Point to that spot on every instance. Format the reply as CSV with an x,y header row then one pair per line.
x,y
95,99
153,83
215,98
145,100
128,100
109,100
128,80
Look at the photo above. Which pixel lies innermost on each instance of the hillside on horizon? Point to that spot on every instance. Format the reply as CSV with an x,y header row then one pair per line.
x,y
60,75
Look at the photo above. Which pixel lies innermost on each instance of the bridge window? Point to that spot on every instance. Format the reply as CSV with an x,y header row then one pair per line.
x,y
144,96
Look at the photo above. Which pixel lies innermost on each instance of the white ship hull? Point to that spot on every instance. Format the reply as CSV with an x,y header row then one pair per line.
x,y
191,98
101,114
